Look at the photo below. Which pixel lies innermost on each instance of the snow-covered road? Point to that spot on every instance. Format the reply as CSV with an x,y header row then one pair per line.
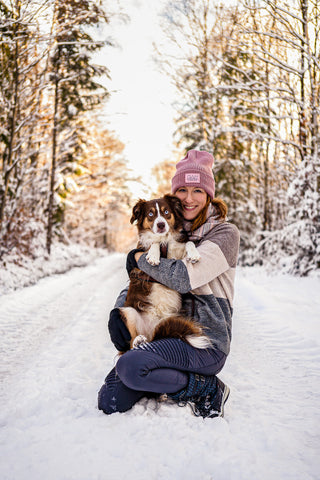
x,y
55,354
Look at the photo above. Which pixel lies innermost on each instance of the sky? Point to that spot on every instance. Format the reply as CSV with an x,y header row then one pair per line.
x,y
139,109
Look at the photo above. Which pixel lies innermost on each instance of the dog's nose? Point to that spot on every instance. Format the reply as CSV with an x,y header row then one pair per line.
x,y
161,226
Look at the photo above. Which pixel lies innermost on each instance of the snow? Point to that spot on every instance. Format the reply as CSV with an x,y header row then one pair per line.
x,y
17,270
55,354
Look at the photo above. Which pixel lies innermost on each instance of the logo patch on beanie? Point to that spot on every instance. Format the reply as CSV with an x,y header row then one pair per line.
x,y
192,178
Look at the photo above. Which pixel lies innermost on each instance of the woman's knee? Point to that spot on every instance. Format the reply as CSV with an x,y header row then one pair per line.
x,y
133,368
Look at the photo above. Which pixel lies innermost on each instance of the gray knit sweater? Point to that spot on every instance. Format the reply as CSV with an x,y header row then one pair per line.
x,y
207,287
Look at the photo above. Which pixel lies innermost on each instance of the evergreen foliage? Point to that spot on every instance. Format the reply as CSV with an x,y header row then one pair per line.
x,y
75,87
48,84
247,77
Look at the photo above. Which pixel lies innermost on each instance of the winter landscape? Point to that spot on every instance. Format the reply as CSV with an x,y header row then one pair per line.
x,y
55,354
98,103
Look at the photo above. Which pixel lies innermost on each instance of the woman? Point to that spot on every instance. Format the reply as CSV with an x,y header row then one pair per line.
x,y
171,366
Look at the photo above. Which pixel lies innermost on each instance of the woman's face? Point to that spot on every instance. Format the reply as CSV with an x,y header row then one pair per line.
x,y
193,201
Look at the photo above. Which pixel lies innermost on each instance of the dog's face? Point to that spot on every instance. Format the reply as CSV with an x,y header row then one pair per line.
x,y
159,216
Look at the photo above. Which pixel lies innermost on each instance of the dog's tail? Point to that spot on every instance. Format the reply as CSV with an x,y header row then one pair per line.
x,y
183,328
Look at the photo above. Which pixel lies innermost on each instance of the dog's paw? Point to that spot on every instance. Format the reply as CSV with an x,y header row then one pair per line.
x,y
153,259
153,255
193,258
192,254
139,340
163,397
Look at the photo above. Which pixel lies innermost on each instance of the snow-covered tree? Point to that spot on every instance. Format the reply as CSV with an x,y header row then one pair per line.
x,y
294,53
22,80
98,211
48,82
75,86
189,26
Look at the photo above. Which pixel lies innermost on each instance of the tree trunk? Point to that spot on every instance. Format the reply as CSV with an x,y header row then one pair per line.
x,y
53,165
303,116
266,209
12,129
312,69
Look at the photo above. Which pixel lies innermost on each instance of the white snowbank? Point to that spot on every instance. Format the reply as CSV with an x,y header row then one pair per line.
x,y
17,271
56,353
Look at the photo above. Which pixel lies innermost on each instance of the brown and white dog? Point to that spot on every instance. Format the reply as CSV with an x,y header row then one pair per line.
x,y
153,311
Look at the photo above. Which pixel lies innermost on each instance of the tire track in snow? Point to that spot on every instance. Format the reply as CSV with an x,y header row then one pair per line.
x,y
274,373
30,317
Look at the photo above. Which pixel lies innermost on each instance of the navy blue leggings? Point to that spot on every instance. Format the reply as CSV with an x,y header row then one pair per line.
x,y
154,368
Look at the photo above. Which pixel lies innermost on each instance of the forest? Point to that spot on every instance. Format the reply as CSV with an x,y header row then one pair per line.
x,y
247,82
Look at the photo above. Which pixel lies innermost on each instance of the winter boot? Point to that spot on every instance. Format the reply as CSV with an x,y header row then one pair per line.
x,y
205,394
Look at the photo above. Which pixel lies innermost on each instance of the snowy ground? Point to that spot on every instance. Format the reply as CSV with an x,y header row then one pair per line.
x,y
55,354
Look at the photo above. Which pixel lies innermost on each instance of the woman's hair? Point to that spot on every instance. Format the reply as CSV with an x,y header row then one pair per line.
x,y
220,207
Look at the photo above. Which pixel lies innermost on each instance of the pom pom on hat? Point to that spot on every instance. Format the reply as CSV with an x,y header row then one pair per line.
x,y
195,170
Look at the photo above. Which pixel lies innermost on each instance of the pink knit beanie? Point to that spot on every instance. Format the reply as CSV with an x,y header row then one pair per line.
x,y
195,170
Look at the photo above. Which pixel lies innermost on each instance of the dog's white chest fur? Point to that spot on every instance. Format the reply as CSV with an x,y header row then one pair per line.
x,y
164,302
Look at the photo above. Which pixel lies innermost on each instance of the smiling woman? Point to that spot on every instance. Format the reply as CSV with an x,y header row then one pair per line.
x,y
185,373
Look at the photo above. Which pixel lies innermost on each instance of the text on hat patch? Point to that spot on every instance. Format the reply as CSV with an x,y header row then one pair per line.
x,y
192,178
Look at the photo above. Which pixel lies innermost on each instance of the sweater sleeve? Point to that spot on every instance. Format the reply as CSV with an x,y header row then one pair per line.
x,y
218,251
121,298
170,272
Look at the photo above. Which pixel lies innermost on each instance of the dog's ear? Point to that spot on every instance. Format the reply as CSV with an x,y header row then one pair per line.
x,y
137,210
175,204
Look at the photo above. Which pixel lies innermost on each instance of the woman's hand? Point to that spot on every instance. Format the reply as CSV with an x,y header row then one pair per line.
x,y
132,259
119,334
138,255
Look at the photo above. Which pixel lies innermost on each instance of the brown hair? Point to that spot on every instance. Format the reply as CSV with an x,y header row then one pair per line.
x,y
221,210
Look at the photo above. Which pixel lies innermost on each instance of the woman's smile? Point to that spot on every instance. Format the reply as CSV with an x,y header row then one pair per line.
x,y
193,201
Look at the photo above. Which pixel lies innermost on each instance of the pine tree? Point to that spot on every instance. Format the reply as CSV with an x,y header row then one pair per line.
x,y
75,88
47,82
294,30
21,79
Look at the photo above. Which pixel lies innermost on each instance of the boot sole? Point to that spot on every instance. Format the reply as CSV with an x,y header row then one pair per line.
x,y
225,397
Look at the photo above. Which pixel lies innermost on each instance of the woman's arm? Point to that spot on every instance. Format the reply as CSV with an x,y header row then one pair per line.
x,y
121,298
169,272
219,252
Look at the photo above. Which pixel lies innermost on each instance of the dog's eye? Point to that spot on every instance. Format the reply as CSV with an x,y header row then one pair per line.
x,y
166,212
150,214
